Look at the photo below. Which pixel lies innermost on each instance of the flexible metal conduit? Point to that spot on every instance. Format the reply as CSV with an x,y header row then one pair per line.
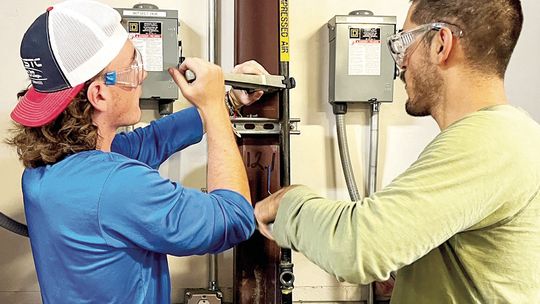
x,y
12,225
345,157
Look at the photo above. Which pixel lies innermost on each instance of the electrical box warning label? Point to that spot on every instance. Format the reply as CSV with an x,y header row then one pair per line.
x,y
147,37
365,51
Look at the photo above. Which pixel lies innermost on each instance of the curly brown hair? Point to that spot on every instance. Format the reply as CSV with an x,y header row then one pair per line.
x,y
71,132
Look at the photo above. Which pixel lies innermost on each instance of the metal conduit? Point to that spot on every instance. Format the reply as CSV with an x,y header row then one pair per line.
x,y
213,20
347,165
373,147
346,158
12,225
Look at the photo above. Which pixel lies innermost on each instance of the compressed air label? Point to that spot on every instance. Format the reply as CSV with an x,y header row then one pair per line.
x,y
364,51
284,30
147,37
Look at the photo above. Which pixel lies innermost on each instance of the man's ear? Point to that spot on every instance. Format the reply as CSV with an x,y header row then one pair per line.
x,y
443,45
99,95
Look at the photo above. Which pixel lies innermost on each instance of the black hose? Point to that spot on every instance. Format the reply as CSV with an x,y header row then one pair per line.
x,y
12,225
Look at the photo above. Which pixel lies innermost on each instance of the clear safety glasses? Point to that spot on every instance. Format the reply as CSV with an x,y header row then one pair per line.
x,y
130,77
400,43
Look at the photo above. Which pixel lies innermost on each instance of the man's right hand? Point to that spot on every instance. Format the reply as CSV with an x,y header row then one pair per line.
x,y
207,91
225,166
267,209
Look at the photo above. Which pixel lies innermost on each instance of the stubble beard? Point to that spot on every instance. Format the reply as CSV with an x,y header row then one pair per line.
x,y
426,90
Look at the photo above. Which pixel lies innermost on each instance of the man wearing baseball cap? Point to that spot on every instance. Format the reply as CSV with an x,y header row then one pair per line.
x,y
100,217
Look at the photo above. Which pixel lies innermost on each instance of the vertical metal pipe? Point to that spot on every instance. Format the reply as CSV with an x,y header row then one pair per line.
x,y
286,266
286,129
214,31
212,272
258,260
211,30
213,22
372,174
374,147
286,270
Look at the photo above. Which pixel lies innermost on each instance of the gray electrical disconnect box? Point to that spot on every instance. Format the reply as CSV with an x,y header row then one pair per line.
x,y
154,32
361,67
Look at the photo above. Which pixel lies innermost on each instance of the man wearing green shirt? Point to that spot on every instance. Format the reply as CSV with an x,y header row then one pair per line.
x,y
462,224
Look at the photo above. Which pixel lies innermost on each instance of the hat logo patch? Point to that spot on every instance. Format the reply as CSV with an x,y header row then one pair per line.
x,y
33,68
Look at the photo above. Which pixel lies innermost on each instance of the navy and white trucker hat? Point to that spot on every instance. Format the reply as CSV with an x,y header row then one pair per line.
x,y
65,47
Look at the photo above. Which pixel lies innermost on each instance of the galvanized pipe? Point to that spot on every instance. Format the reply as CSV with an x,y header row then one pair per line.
x,y
374,147
372,172
213,56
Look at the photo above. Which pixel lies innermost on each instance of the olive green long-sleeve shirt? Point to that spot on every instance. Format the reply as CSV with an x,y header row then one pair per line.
x,y
462,224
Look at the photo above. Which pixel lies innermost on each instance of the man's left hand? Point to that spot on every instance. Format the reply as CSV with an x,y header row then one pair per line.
x,y
241,97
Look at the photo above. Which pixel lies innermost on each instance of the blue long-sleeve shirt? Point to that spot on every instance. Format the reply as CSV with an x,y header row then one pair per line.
x,y
101,223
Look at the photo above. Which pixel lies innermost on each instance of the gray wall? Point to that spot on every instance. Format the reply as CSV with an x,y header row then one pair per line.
x,y
522,78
